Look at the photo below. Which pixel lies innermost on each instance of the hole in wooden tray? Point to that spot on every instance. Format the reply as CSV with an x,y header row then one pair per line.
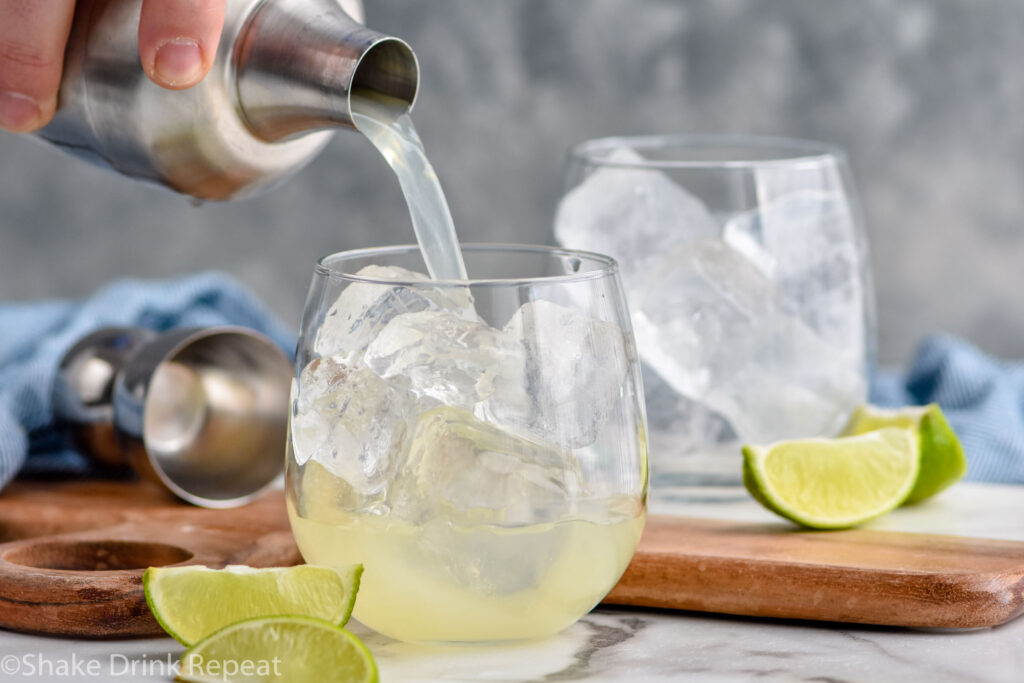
x,y
95,556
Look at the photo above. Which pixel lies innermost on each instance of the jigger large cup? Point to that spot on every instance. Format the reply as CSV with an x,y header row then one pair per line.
x,y
201,411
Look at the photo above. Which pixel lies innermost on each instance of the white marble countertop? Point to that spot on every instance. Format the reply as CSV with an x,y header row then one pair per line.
x,y
635,645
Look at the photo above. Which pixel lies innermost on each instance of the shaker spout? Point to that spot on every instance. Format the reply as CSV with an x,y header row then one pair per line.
x,y
298,62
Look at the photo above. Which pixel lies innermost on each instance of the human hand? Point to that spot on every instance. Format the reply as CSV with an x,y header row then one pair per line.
x,y
177,44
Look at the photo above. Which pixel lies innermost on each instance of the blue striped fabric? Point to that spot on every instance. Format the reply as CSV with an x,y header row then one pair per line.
x,y
982,397
34,336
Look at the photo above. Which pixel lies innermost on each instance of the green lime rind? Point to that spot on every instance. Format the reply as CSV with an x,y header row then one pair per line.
x,y
147,578
750,482
943,462
351,577
192,601
834,483
286,648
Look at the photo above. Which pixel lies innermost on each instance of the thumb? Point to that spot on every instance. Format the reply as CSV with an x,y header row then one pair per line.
x,y
178,40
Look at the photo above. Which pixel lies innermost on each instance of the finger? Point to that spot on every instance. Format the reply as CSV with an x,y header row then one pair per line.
x,y
33,34
178,40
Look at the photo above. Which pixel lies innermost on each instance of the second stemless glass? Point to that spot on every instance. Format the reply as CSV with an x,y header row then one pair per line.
x,y
745,264
479,446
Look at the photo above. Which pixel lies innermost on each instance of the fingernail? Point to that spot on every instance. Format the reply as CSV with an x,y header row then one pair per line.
x,y
178,62
18,113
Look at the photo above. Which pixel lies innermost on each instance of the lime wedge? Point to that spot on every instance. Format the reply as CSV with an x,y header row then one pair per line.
x,y
833,483
192,602
291,649
942,457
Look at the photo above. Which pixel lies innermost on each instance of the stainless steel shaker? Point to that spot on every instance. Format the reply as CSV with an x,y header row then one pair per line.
x,y
281,82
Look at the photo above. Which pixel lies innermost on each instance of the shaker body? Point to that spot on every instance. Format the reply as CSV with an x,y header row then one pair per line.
x,y
194,141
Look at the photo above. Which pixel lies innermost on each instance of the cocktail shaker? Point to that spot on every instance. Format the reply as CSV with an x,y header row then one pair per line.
x,y
280,85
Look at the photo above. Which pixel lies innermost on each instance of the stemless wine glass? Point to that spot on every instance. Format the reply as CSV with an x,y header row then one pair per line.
x,y
479,446
745,265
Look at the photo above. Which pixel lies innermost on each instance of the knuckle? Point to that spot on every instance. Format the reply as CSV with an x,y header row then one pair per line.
x,y
25,55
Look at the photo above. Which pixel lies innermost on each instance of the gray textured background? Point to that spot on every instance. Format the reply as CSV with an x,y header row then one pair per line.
x,y
927,96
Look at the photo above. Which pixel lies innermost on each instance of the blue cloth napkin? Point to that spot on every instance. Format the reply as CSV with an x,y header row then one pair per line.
x,y
982,397
35,335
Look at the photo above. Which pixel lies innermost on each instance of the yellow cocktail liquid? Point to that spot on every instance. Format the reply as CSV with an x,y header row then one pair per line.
x,y
437,582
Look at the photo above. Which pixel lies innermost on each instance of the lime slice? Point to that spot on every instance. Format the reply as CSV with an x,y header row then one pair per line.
x,y
942,457
192,602
833,483
292,649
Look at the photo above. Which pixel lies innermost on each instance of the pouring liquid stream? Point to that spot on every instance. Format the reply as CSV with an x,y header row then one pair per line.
x,y
387,124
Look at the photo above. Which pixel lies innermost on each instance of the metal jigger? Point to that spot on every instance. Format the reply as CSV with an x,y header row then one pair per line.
x,y
201,411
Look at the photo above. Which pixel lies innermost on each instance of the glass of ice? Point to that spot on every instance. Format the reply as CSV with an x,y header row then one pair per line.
x,y
745,265
479,446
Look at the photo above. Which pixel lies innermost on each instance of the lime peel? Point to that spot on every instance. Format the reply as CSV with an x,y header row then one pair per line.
x,y
943,462
834,483
287,648
193,601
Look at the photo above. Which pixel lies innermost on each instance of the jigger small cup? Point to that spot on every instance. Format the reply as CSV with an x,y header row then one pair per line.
x,y
203,412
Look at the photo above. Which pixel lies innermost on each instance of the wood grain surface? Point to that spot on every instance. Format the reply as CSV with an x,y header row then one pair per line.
x,y
72,554
72,557
860,576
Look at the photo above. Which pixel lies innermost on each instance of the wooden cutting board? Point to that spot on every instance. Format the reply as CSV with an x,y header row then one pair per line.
x,y
860,576
72,554
72,557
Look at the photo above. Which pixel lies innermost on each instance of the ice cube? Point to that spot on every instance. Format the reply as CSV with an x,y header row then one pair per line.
x,y
768,404
574,374
693,423
796,385
699,314
363,309
351,422
714,327
472,473
807,243
794,232
445,357
486,561
630,213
